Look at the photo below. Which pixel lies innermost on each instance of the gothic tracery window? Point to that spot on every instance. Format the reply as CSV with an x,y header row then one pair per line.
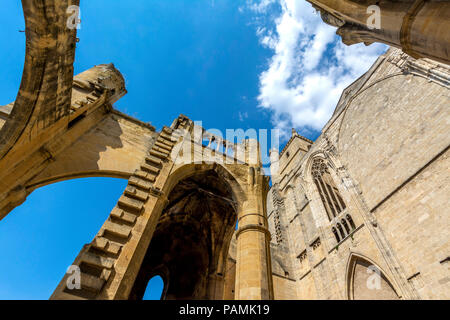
x,y
338,239
345,224
302,256
329,193
341,230
350,220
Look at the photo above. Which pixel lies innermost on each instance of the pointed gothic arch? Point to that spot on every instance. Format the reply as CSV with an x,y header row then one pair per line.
x,y
330,195
194,230
365,280
161,271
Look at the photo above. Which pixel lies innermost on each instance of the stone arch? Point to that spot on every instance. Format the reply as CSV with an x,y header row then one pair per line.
x,y
317,210
77,175
46,62
164,288
113,148
52,109
161,271
319,154
187,170
362,282
237,189
194,232
307,176
18,196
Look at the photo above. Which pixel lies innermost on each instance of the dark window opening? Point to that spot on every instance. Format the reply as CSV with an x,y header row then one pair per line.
x,y
329,193
336,234
344,223
350,220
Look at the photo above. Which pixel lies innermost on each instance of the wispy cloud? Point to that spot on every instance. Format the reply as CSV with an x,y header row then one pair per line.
x,y
242,116
310,66
259,6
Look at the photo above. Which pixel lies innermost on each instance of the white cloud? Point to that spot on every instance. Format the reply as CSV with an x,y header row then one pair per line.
x,y
310,66
259,6
242,116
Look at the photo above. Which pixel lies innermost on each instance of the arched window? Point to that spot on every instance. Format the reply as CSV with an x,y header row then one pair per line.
x,y
329,193
350,220
341,230
361,273
336,235
345,224
155,289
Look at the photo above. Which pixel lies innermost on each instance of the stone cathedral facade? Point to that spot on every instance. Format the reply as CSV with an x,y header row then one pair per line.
x,y
371,195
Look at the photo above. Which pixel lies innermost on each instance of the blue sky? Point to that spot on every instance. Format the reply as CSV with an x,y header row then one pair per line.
x,y
231,64
189,57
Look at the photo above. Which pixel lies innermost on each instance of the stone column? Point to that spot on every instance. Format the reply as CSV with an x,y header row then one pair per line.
x,y
253,265
253,268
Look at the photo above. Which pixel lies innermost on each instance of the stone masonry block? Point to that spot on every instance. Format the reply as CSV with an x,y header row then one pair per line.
x,y
96,260
117,229
91,283
134,204
149,168
136,193
143,184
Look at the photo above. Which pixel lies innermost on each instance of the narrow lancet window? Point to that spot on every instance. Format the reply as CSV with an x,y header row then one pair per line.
x,y
329,193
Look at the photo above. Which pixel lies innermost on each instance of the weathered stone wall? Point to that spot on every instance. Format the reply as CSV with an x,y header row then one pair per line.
x,y
391,130
416,222
386,148
293,153
5,111
284,288
115,147
307,290
34,160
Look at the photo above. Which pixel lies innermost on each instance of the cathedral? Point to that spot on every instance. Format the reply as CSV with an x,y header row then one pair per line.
x,y
369,197
359,214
